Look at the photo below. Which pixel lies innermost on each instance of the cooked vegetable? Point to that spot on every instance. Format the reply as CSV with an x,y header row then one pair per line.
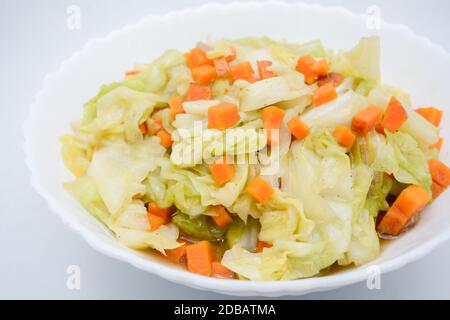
x,y
204,74
324,94
264,73
222,218
222,67
440,174
164,213
220,271
260,190
222,171
242,70
344,136
298,128
200,258
223,116
333,77
131,73
433,115
367,119
410,201
262,245
177,255
197,227
164,138
438,144
198,92
176,106
394,116
272,119
311,68
257,159
196,58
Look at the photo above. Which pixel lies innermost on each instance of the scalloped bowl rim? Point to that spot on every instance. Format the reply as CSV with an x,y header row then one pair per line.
x,y
240,288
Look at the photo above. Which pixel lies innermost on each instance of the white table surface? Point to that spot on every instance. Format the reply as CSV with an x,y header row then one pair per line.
x,y
35,247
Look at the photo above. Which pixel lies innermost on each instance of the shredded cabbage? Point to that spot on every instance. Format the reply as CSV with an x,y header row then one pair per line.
x,y
316,200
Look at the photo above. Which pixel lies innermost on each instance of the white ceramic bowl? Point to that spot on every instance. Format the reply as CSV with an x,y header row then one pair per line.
x,y
408,61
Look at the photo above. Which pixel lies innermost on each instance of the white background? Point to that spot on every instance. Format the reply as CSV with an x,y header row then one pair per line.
x,y
35,247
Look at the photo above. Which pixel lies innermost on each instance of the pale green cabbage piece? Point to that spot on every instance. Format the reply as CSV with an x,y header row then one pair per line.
x,y
119,111
363,61
118,170
413,166
165,237
84,190
131,224
364,244
192,146
340,111
399,154
192,190
266,92
76,154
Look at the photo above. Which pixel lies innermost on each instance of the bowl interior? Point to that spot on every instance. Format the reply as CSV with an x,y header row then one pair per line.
x,y
408,62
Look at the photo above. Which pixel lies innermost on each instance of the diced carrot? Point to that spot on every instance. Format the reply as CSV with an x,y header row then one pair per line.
x,y
440,173
304,65
199,258
367,119
165,139
204,74
320,68
242,70
132,73
262,245
262,69
223,218
143,128
272,119
311,68
222,67
177,255
324,94
260,190
164,213
432,114
410,201
176,106
394,115
438,144
333,77
196,58
223,116
220,271
298,128
154,221
232,55
392,222
344,136
436,189
198,92
222,172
